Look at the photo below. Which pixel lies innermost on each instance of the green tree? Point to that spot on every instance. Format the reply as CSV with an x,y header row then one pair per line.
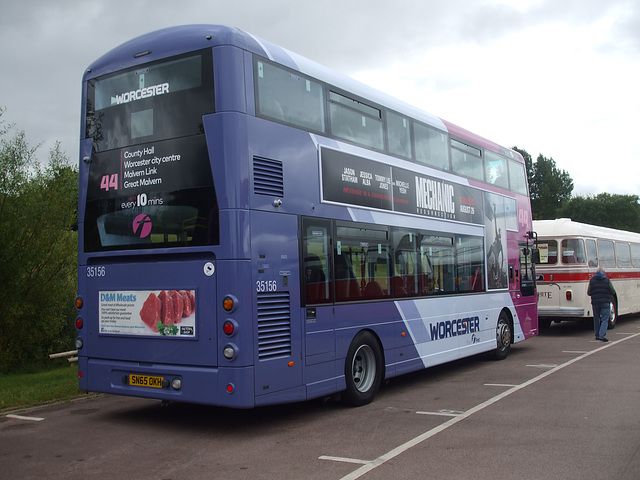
x,y
550,188
38,257
614,211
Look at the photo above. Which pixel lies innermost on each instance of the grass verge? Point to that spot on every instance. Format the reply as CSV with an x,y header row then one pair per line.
x,y
29,389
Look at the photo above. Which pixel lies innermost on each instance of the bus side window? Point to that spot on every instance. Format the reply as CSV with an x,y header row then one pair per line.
x,y
623,254
606,253
431,147
552,252
592,253
288,97
405,264
437,256
317,286
527,271
346,283
496,170
573,251
470,258
398,135
635,254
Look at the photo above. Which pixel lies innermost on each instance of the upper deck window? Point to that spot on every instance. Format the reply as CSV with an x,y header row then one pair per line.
x,y
432,147
288,97
466,160
355,121
517,178
156,101
496,169
399,135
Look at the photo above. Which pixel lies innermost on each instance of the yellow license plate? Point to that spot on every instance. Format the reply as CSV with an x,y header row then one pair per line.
x,y
145,381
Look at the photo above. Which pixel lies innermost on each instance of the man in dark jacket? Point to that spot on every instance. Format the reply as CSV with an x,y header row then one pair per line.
x,y
601,291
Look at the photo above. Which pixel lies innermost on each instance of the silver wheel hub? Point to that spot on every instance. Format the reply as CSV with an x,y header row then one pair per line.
x,y
363,368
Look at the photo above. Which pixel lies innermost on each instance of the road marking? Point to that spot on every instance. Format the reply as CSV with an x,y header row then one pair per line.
x,y
343,459
443,413
400,449
20,417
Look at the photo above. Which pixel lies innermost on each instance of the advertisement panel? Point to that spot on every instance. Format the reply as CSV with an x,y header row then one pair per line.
x,y
169,313
353,180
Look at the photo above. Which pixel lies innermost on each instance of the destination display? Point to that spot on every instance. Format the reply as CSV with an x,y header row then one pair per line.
x,y
155,194
353,180
155,167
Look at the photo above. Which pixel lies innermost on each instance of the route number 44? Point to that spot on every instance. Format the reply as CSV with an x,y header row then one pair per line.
x,y
266,286
109,181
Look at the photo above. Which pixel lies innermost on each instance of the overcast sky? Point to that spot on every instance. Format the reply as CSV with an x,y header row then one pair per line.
x,y
559,78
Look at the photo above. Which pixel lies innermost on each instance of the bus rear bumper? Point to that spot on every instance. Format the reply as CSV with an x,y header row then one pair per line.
x,y
228,387
561,312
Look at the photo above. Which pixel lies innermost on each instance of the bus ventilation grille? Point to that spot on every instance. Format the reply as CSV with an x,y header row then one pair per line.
x,y
267,177
274,325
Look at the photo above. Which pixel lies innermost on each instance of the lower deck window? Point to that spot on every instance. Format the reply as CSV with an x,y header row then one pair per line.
x,y
369,262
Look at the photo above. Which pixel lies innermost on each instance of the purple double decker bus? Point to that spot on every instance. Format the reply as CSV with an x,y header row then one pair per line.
x,y
257,229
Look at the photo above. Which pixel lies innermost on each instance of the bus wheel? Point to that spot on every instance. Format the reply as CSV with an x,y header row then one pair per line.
x,y
503,336
363,370
613,315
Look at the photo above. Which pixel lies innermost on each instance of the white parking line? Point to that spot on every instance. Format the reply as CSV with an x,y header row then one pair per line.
x,y
443,413
400,449
343,459
20,417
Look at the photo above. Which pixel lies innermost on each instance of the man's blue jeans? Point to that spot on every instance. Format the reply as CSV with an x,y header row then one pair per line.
x,y
601,312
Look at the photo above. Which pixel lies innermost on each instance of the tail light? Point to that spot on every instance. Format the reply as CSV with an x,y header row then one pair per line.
x,y
569,295
229,303
228,328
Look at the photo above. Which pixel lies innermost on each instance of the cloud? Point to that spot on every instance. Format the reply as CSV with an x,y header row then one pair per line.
x,y
557,78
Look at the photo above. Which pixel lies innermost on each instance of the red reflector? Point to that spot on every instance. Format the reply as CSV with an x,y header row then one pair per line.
x,y
228,328
80,374
230,388
569,295
79,323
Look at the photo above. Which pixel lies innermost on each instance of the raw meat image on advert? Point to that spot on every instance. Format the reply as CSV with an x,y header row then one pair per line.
x,y
162,312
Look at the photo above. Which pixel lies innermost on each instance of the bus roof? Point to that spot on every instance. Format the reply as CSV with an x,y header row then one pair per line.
x,y
180,39
565,227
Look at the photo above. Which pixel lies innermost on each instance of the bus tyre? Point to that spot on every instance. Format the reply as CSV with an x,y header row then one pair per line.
x,y
503,337
363,370
613,315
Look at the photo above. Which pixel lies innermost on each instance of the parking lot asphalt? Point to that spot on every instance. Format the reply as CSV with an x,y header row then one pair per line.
x,y
561,406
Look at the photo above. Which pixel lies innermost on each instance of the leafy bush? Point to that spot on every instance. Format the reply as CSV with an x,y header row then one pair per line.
x,y
38,258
